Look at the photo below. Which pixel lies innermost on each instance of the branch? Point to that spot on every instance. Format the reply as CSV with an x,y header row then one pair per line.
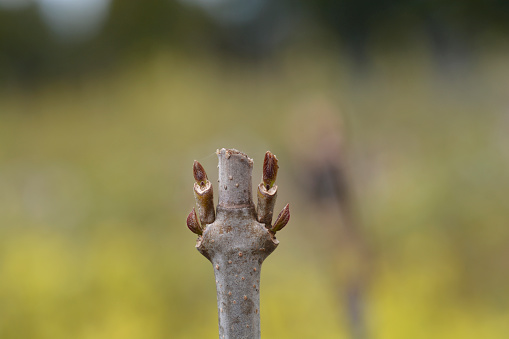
x,y
237,244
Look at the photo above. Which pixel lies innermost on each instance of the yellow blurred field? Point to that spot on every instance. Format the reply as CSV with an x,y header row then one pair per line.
x,y
95,186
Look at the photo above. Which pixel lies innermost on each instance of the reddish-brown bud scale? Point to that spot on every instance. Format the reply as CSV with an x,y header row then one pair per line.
x,y
193,224
199,173
270,168
282,219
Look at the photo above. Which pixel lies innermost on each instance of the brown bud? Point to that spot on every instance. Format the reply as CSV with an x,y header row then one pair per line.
x,y
193,224
199,173
282,219
270,168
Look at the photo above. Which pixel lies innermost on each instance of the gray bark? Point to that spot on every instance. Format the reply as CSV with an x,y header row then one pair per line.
x,y
236,244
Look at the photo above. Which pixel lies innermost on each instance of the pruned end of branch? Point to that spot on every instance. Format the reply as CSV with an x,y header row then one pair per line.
x,y
202,189
235,189
267,192
228,152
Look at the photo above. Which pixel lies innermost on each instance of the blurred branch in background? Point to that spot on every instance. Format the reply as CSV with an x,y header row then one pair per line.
x,y
320,155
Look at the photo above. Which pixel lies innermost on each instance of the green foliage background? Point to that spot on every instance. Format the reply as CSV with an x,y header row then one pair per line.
x,y
96,183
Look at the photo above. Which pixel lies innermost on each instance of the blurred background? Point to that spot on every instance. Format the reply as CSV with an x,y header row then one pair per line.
x,y
390,120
